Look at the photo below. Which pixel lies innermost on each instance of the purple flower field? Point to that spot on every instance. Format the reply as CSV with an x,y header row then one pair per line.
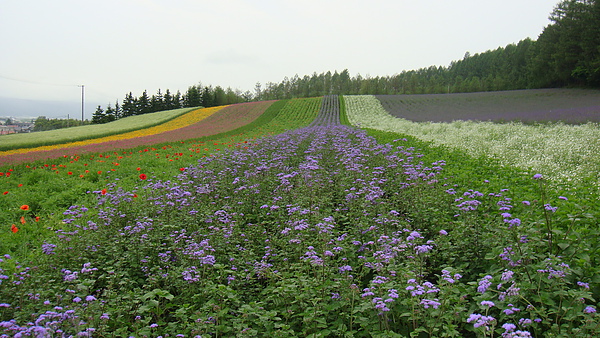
x,y
528,106
318,231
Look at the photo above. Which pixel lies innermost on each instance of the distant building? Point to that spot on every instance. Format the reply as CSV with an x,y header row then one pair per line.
x,y
24,127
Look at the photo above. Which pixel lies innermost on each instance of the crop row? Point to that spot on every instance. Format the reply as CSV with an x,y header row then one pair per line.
x,y
53,137
92,144
317,231
58,178
565,153
529,106
329,114
199,123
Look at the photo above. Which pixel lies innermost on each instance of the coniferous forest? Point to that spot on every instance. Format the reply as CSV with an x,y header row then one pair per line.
x,y
566,54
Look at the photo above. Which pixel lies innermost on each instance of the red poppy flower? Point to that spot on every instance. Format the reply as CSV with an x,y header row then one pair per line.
x,y
23,220
70,173
103,191
14,229
5,193
25,207
143,176
37,218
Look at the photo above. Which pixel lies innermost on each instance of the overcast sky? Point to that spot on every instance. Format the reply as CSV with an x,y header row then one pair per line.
x,y
117,46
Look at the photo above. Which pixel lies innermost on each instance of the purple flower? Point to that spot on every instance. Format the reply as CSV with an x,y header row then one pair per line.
x,y
589,309
480,320
506,275
345,268
509,327
443,232
335,295
511,310
90,298
585,285
487,303
537,176
525,322
48,248
76,299
526,203
427,303
563,198
421,249
484,284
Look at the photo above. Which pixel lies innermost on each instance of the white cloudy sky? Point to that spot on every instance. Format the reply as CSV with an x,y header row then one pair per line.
x,y
117,46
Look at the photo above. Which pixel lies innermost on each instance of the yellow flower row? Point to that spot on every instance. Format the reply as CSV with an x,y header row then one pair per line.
x,y
184,120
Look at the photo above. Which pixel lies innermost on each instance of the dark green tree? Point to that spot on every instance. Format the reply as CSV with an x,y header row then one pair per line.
x,y
129,107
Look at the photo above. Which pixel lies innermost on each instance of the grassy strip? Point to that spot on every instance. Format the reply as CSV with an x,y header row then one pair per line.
x,y
53,137
343,116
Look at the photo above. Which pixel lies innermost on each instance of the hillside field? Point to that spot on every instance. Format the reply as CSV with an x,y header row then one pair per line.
x,y
572,106
312,217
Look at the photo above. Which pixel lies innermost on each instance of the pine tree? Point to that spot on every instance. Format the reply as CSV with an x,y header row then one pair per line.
x,y
129,107
99,116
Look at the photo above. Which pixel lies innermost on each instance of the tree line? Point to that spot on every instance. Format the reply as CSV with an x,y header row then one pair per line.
x,y
195,96
42,123
566,53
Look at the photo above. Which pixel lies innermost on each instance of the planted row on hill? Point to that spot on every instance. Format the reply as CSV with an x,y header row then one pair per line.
x,y
74,134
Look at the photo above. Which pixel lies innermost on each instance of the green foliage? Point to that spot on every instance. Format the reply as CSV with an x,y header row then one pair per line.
x,y
42,123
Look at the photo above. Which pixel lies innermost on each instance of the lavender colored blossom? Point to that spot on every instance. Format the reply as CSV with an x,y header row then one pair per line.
x,y
427,303
48,248
484,284
538,176
345,268
584,285
421,249
511,310
525,322
487,303
506,275
481,321
589,309
509,327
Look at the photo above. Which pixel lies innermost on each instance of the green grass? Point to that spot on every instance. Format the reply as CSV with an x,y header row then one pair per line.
x,y
124,125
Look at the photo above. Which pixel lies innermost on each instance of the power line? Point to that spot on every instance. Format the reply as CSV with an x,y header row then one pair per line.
x,y
37,82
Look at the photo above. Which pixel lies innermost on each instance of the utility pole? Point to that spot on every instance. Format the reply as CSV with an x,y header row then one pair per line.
x,y
82,95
